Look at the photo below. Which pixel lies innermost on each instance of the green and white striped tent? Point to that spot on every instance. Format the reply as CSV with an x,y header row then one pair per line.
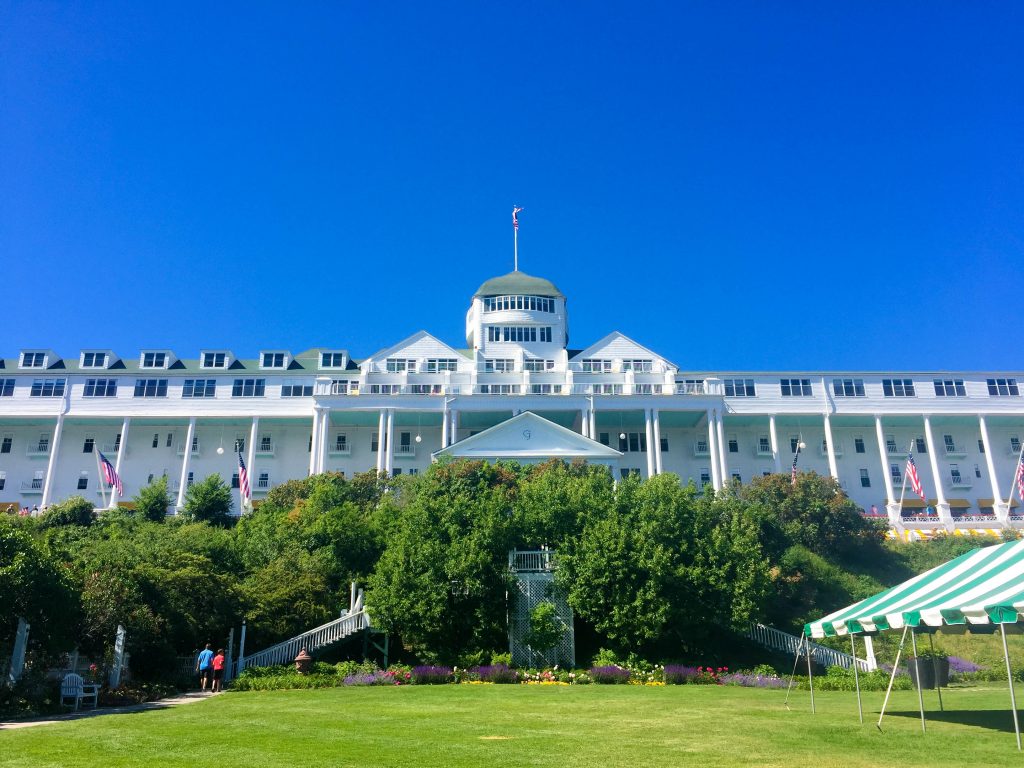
x,y
983,587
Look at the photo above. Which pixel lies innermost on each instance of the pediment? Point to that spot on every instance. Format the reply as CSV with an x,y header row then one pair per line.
x,y
618,345
420,345
529,436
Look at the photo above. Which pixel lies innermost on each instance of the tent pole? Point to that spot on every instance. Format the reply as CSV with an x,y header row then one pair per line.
x,y
810,675
917,669
895,666
1009,679
856,678
796,661
935,666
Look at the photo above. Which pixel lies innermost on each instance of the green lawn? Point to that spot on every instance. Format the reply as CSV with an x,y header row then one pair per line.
x,y
592,726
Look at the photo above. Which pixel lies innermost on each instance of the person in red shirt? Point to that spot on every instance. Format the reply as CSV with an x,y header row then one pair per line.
x,y
218,671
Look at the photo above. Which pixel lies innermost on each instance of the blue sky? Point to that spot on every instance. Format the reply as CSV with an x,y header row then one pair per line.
x,y
735,185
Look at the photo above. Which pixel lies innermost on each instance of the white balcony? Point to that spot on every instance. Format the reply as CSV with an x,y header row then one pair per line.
x,y
32,486
823,450
405,451
344,449
691,388
959,481
113,448
265,449
38,451
763,451
700,449
954,451
196,449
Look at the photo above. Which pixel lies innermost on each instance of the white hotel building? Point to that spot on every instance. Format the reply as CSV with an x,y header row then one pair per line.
x,y
614,402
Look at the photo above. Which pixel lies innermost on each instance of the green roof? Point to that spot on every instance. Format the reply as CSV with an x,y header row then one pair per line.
x,y
518,284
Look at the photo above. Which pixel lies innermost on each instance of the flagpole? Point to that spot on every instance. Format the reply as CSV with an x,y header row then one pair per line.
x,y
903,488
515,247
1013,480
99,475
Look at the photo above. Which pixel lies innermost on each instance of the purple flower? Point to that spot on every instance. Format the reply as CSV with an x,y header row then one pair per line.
x,y
609,675
959,666
431,675
496,673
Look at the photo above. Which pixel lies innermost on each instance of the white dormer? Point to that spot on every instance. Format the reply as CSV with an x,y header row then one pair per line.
x,y
333,359
215,359
36,359
155,359
96,358
421,352
617,353
274,360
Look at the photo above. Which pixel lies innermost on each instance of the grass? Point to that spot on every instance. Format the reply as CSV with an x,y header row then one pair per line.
x,y
531,726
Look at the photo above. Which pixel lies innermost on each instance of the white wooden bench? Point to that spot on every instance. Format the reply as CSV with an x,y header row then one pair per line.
x,y
74,690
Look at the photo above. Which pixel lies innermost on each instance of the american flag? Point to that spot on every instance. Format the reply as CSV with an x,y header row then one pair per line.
x,y
110,475
914,478
1020,479
243,480
796,457
515,219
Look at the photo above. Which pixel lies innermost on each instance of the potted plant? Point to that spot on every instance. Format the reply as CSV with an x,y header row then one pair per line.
x,y
931,667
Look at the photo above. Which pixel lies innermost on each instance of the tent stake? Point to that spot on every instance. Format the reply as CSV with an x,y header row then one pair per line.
x,y
810,675
796,661
895,666
917,670
1009,679
935,667
856,678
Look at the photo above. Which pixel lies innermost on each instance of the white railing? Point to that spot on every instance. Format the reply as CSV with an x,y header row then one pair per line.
x,y
37,451
110,447
405,450
326,634
700,449
28,486
955,451
196,449
959,481
778,640
340,450
540,561
691,388
265,449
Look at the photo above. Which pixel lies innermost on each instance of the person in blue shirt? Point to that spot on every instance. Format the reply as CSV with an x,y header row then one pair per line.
x,y
204,666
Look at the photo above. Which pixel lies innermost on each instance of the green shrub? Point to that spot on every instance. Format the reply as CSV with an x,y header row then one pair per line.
x,y
72,511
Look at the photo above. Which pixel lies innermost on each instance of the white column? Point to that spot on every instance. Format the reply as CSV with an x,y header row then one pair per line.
x,y
123,446
325,438
444,426
657,441
185,461
389,460
381,426
313,440
51,465
723,449
250,459
649,431
453,431
773,435
998,502
830,447
940,496
593,423
890,496
584,423
716,467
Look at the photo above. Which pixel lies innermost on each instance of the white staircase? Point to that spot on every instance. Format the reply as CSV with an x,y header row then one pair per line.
x,y
351,621
778,640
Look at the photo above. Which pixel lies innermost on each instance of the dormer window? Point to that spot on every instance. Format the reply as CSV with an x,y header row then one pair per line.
x,y
639,366
214,360
273,360
154,359
397,365
593,365
94,359
33,359
332,359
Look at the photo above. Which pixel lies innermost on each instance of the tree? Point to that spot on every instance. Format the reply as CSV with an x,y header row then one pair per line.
x,y
153,501
208,501
72,511
546,629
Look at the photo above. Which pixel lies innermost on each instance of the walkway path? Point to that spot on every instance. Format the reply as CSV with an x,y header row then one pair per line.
x,y
174,701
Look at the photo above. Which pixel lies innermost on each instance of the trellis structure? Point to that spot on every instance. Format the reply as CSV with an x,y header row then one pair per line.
x,y
534,584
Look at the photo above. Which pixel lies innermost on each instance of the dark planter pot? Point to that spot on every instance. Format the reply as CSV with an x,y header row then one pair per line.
x,y
931,672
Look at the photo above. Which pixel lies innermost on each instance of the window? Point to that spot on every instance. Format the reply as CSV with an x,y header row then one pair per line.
x,y
3,480
865,479
341,443
977,471
896,473
981,446
156,439
395,365
214,360
234,480
954,474
739,388
690,387
48,388
950,446
858,445
764,444
83,481
5,443
736,478
633,442
493,365
950,388
647,389
248,387
100,388
87,446
890,444
425,389
412,471
94,359
332,359
531,303
700,447
498,389
536,364
33,359
199,388
640,366
43,444
273,360
705,477
663,444
151,388
921,445
296,390
373,442
898,387
154,359
596,366
170,439
606,389
266,443
626,472
794,443
602,438
340,386
734,445
796,387
1003,387
1015,444
545,389
441,364
848,387
517,333
190,480
6,387
545,333
117,442
385,389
